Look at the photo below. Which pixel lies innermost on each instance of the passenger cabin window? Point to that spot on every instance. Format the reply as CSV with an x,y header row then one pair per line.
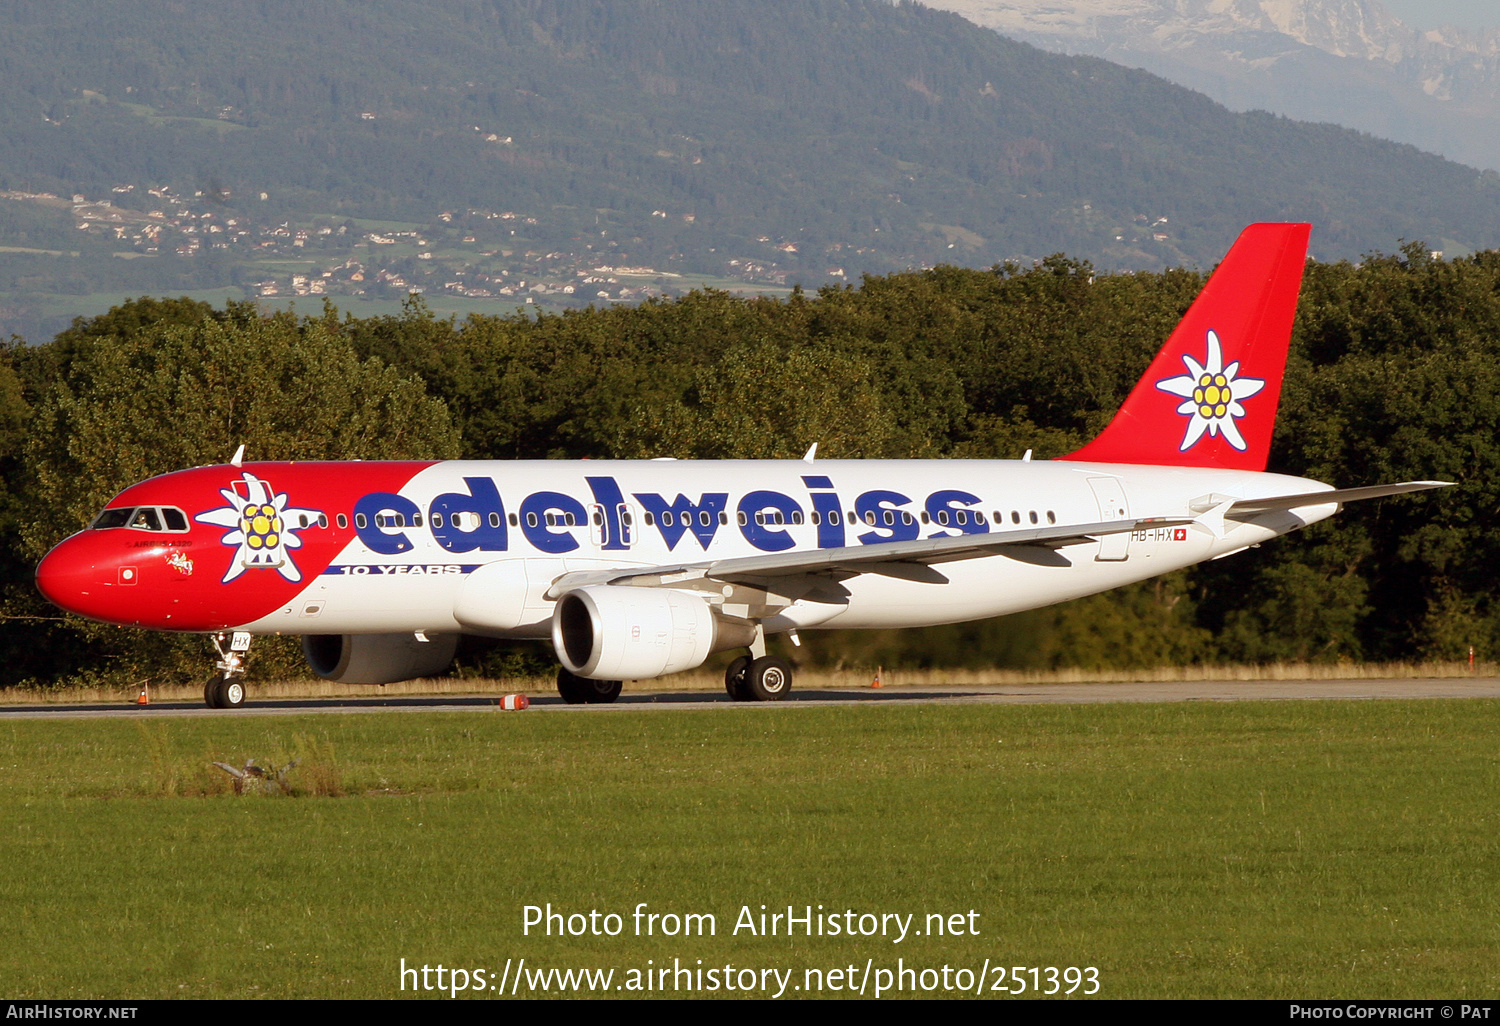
x,y
343,521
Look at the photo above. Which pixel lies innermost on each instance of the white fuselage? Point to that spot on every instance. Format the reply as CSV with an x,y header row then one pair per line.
x,y
525,524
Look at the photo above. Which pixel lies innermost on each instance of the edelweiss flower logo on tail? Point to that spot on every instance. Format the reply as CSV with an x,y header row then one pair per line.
x,y
263,528
1213,393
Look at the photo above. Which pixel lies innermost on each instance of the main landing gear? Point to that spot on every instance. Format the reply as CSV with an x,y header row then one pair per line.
x,y
226,688
576,690
762,679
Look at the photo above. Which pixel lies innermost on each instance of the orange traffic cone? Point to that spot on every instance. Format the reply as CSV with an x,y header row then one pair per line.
x,y
143,698
513,702
876,682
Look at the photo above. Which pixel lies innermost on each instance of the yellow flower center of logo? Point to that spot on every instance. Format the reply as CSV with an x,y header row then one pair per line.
x,y
1212,395
261,525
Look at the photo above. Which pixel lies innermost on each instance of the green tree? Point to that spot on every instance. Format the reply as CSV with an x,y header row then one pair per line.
x,y
175,394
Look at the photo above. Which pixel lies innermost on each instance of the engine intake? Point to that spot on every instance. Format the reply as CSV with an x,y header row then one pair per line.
x,y
623,633
377,658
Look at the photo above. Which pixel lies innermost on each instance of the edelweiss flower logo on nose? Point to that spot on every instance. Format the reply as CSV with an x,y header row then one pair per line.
x,y
264,528
1213,393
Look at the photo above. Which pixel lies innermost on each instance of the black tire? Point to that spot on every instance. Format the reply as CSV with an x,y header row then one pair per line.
x,y
576,690
213,692
734,679
602,692
231,693
573,688
768,679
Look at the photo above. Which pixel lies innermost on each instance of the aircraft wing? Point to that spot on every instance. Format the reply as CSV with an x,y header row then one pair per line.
x,y
914,560
907,560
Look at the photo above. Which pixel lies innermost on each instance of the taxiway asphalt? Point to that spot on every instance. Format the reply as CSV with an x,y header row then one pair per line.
x,y
958,693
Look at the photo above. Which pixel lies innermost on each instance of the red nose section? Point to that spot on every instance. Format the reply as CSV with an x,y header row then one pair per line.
x,y
196,572
64,579
87,575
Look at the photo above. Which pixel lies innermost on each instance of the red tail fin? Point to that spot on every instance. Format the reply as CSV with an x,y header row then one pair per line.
x,y
1209,398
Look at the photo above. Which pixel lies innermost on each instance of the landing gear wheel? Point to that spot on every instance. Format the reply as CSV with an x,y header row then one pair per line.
x,y
231,693
576,690
768,679
224,692
571,686
602,692
734,679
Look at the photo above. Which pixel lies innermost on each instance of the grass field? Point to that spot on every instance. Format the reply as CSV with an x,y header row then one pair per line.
x,y
1289,849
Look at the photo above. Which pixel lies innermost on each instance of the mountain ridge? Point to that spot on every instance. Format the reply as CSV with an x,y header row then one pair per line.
x,y
578,147
1350,62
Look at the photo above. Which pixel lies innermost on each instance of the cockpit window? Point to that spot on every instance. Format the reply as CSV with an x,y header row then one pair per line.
x,y
113,518
146,519
142,518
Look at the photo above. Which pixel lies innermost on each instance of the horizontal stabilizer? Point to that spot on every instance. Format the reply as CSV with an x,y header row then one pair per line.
x,y
1339,495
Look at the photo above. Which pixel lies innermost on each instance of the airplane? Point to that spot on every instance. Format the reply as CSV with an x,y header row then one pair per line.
x,y
642,568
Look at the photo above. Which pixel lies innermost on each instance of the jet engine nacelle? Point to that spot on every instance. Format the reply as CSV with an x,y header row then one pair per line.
x,y
377,658
624,633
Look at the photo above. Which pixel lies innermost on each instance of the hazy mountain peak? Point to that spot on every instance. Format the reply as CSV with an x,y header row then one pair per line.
x,y
1351,62
1345,28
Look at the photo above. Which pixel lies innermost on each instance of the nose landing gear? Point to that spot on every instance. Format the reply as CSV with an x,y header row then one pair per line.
x,y
226,689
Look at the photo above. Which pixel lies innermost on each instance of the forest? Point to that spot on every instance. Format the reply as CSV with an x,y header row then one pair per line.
x,y
1394,375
